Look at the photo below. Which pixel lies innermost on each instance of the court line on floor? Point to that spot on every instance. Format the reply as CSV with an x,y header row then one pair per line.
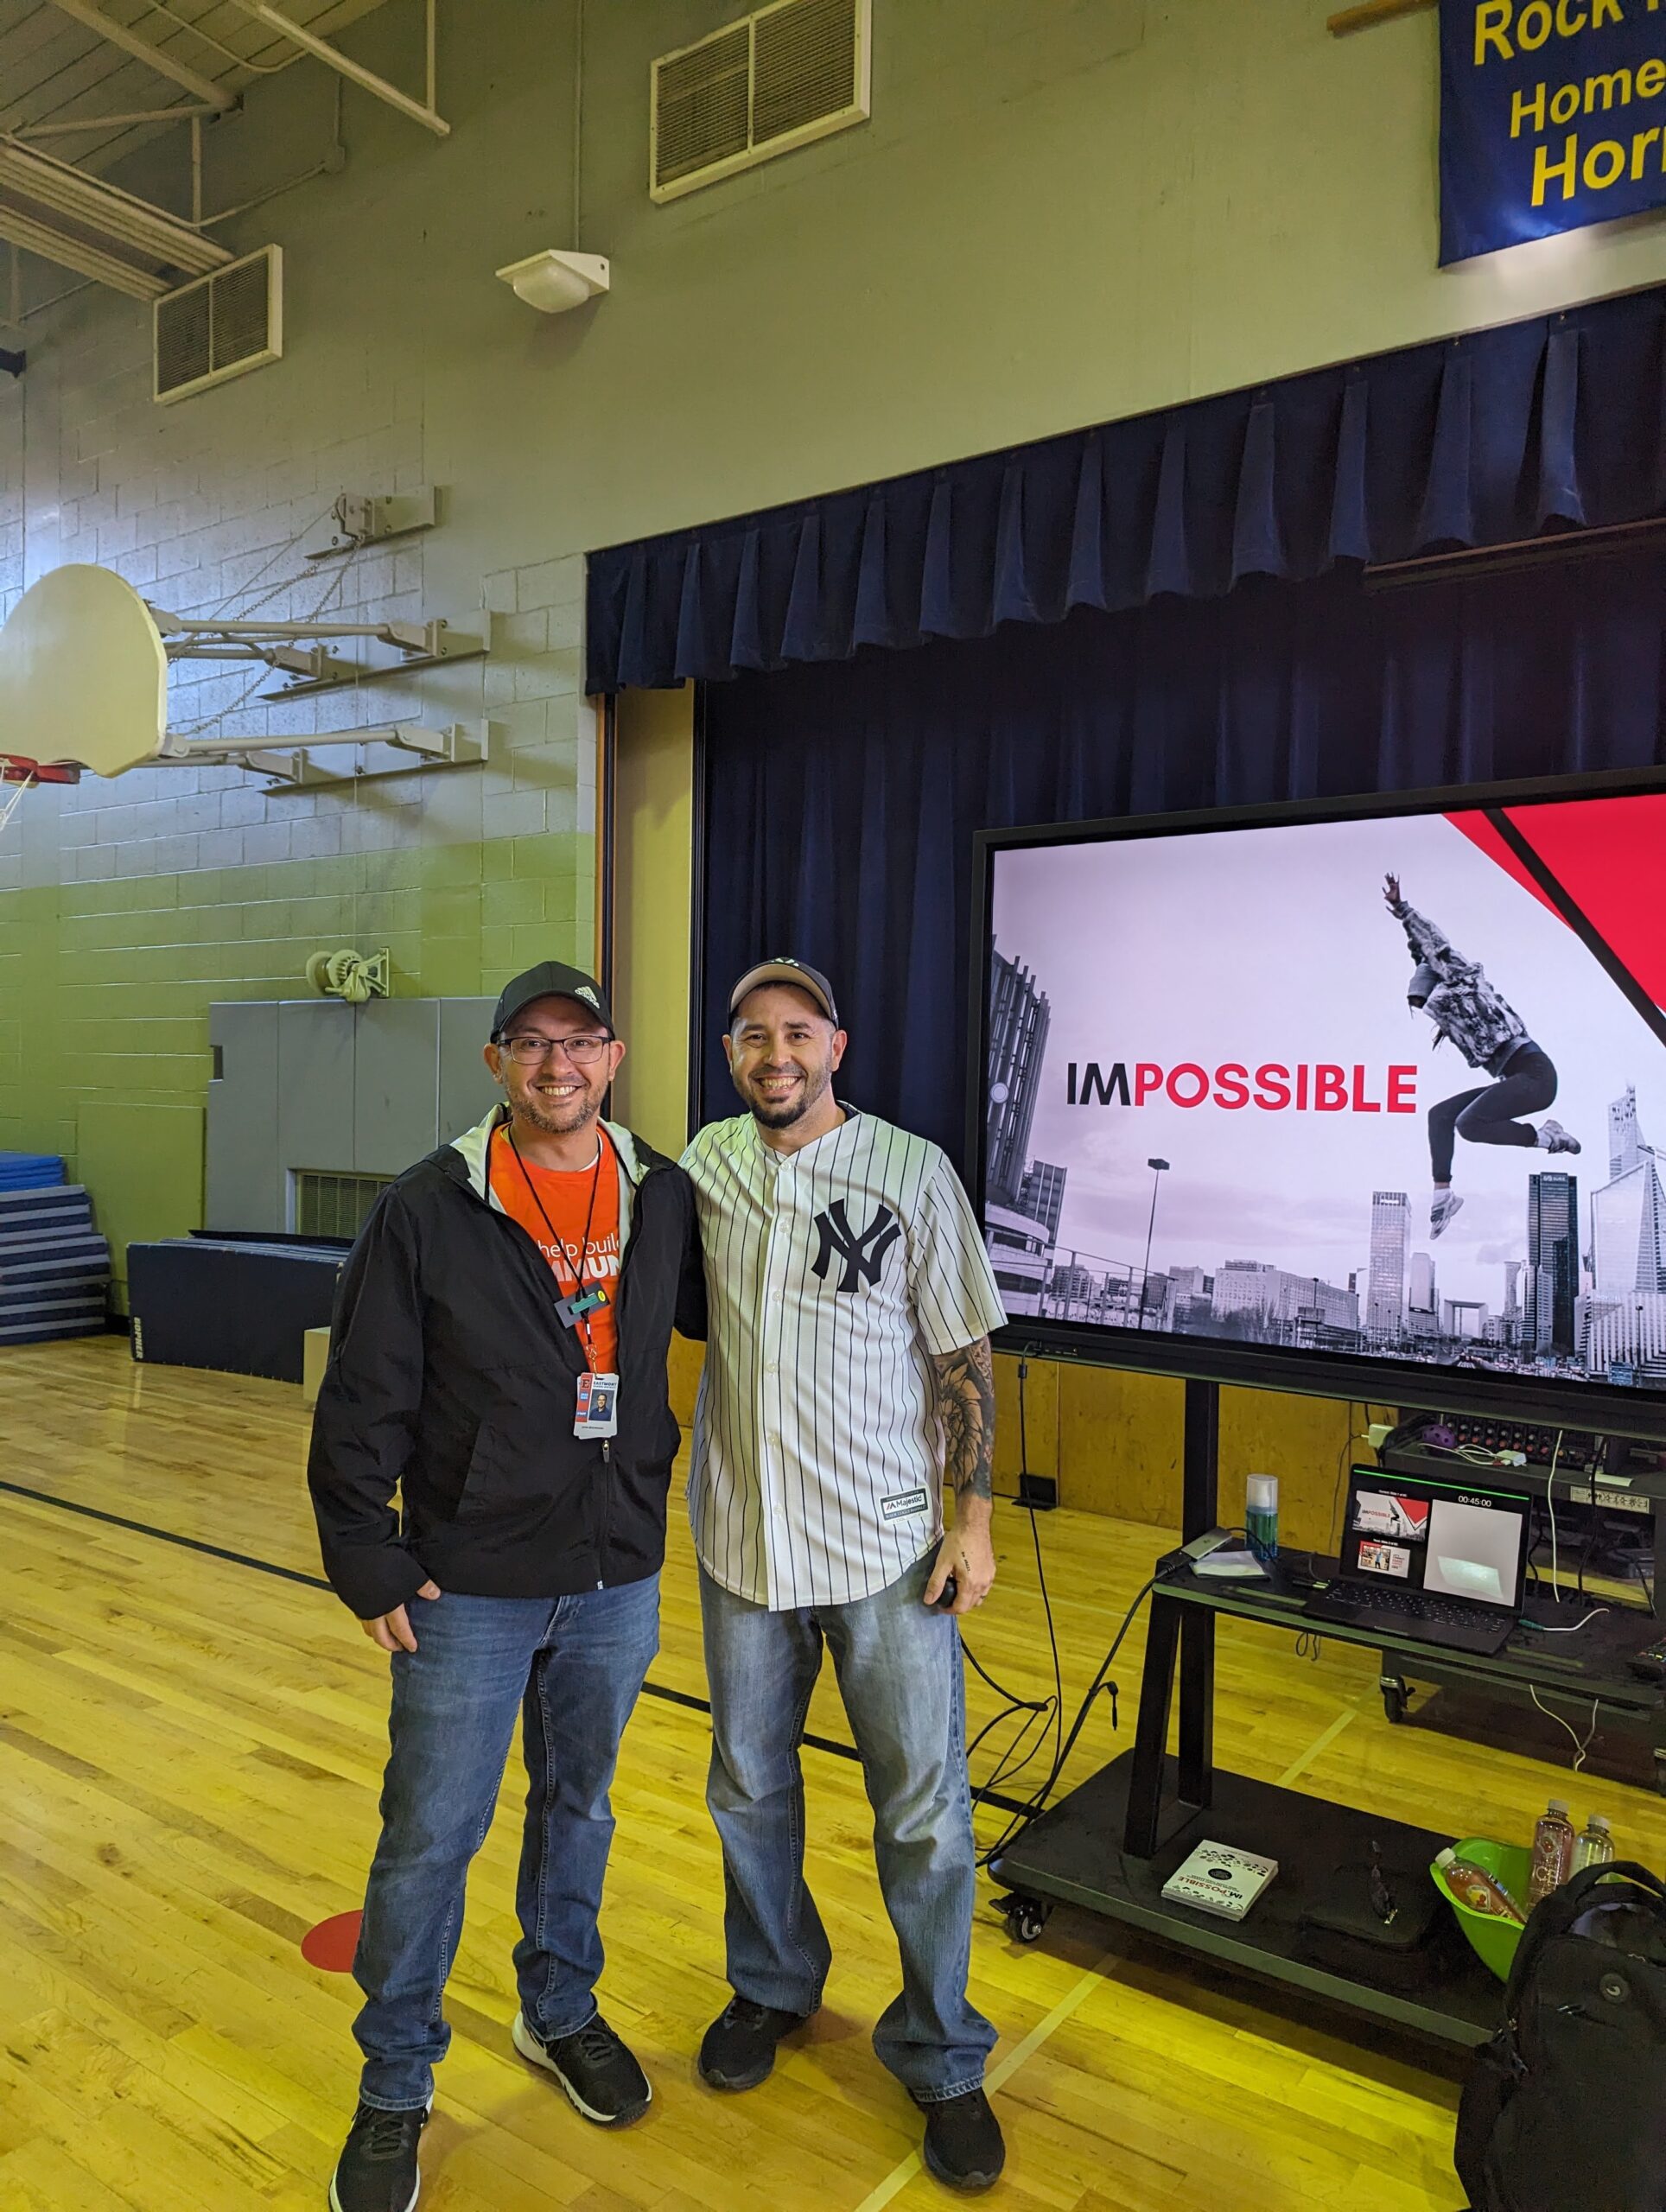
x,y
898,2179
1322,1741
665,1694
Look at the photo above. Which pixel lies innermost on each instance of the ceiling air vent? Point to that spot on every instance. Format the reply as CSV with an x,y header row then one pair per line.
x,y
774,80
220,326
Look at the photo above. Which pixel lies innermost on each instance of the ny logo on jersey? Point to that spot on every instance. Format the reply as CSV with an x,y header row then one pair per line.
x,y
863,1256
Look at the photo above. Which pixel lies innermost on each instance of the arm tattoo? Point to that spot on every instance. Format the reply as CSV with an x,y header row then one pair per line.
x,y
965,1402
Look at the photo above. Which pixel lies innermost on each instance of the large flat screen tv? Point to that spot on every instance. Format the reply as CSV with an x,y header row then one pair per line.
x,y
1360,1099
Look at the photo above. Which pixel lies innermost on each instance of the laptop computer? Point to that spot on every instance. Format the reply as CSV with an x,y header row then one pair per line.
x,y
1441,1562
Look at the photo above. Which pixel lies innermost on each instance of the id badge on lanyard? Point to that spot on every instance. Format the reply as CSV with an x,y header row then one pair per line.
x,y
596,1408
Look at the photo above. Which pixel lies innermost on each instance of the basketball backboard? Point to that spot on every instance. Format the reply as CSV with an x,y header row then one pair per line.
x,y
83,674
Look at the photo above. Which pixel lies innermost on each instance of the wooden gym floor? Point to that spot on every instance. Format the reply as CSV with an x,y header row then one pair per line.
x,y
190,1749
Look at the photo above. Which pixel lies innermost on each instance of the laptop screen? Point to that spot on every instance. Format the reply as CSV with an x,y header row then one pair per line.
x,y
1452,1541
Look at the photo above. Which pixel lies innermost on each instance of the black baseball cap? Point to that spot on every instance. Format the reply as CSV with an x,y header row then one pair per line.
x,y
550,979
798,973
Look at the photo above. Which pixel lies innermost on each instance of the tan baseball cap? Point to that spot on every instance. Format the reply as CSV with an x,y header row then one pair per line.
x,y
795,973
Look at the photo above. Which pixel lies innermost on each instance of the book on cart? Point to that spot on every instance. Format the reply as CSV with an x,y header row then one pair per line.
x,y
1216,1878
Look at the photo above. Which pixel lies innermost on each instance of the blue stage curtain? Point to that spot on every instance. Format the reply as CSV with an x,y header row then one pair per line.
x,y
840,801
1551,424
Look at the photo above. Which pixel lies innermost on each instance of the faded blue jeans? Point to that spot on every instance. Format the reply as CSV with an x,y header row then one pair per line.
x,y
899,1675
571,1668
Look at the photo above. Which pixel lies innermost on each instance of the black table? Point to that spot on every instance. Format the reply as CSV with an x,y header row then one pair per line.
x,y
1112,1844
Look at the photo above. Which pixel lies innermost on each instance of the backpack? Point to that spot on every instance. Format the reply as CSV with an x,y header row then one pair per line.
x,y
1565,2109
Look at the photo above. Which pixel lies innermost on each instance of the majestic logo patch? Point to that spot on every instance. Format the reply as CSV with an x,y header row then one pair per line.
x,y
587,994
863,1256
904,1504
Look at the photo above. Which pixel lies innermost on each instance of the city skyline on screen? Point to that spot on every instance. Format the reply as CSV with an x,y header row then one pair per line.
x,y
1234,1003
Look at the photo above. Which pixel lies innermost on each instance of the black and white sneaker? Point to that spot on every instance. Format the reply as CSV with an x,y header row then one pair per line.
x,y
1441,1213
1554,1138
377,2170
964,2147
738,2049
594,2067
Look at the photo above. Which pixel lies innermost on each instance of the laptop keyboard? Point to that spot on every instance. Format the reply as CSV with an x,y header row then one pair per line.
x,y
1413,1605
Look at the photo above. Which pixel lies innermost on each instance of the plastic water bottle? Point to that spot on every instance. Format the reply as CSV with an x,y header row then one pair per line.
x,y
1595,1846
1553,1852
1261,1517
1473,1886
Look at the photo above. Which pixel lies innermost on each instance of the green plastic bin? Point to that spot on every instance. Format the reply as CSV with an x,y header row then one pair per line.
x,y
1493,1940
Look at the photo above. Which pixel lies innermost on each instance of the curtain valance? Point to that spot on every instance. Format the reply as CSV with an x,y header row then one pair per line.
x,y
1555,424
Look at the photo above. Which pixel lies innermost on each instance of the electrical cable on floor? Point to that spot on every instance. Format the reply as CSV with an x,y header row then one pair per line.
x,y
1580,1749
1031,1811
1035,1709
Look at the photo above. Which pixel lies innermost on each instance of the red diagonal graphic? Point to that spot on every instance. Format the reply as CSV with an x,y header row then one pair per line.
x,y
1609,854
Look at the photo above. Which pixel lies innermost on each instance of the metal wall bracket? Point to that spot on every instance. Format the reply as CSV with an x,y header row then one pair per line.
x,y
302,648
420,645
389,749
370,519
296,768
378,749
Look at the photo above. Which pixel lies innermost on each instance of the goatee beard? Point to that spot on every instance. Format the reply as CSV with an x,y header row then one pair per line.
x,y
550,1126
784,1116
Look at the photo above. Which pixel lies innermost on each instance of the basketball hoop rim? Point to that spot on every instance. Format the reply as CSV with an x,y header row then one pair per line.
x,y
18,768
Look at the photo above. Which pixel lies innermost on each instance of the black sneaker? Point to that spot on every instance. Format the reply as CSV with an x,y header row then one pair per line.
x,y
377,2170
963,2145
594,2066
738,2049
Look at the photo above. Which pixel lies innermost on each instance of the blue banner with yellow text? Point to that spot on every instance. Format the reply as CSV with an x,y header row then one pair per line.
x,y
1553,115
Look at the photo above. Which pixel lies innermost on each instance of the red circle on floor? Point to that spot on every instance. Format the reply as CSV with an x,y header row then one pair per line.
x,y
331,1945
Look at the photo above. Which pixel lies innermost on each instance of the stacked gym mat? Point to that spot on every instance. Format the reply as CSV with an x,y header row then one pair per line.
x,y
241,1304
54,1268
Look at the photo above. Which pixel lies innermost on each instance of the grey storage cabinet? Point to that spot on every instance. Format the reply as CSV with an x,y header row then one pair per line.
x,y
314,1088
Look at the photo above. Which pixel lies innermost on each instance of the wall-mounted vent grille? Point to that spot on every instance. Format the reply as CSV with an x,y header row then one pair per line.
x,y
220,326
334,1206
776,79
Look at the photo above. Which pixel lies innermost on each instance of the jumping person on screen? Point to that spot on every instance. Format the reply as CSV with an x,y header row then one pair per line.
x,y
1458,998
498,1358
848,1370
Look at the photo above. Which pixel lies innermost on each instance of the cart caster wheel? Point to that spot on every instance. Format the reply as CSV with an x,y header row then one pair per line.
x,y
1396,1699
1025,1918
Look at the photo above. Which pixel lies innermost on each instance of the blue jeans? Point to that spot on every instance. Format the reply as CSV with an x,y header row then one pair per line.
x,y
571,1668
899,1675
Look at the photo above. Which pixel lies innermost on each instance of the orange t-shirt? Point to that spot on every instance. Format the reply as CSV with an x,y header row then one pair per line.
x,y
567,1198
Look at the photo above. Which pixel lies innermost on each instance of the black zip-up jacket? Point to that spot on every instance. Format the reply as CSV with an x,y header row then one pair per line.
x,y
452,1379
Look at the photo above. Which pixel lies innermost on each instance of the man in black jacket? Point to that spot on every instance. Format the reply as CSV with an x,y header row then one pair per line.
x,y
499,1359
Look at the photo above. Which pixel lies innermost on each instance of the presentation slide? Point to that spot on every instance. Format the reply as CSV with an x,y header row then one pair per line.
x,y
1385,1559
1387,1087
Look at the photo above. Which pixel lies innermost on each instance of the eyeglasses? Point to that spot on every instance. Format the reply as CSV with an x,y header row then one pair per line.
x,y
527,1051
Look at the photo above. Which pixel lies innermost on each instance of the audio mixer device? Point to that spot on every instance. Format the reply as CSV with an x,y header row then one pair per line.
x,y
1610,1473
1579,1452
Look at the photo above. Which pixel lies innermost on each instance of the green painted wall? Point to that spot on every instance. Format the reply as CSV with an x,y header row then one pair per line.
x,y
105,987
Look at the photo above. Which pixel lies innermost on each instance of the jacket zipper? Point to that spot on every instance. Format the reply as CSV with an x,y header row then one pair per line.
x,y
562,1333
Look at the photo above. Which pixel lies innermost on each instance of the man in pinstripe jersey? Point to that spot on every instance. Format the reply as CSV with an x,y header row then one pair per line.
x,y
847,1371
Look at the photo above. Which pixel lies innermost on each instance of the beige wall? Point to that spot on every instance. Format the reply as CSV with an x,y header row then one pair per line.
x,y
652,888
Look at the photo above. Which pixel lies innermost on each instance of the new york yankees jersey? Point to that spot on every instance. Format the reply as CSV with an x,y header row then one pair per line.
x,y
834,1273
